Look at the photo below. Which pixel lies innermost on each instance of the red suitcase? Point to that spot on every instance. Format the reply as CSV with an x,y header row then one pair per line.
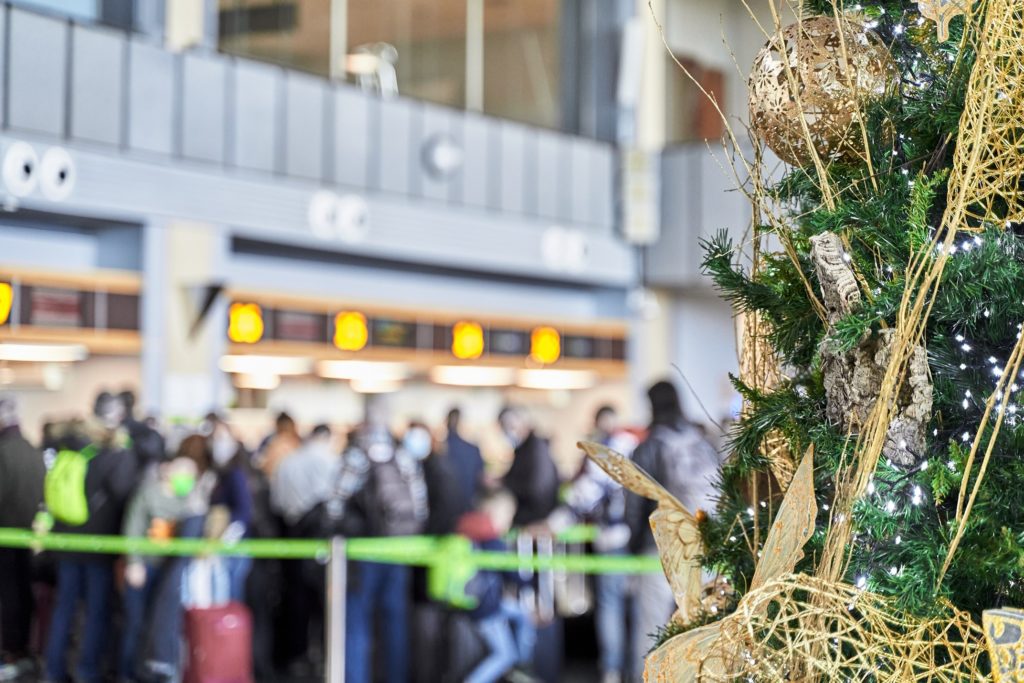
x,y
219,641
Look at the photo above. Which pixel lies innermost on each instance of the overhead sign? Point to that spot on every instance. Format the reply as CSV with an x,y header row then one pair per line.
x,y
52,307
350,331
353,331
467,340
545,345
245,323
6,302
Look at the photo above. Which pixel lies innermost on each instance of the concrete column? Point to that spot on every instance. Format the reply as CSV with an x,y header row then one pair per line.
x,y
180,375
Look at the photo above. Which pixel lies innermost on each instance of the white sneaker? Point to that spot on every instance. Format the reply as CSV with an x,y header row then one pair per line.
x,y
611,677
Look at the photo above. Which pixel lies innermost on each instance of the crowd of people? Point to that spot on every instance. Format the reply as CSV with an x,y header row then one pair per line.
x,y
93,617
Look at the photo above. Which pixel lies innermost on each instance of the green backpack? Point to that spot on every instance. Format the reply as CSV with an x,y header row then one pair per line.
x,y
64,489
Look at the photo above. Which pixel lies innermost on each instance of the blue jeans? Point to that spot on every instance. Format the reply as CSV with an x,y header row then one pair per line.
x,y
379,590
238,572
611,621
91,581
510,637
151,644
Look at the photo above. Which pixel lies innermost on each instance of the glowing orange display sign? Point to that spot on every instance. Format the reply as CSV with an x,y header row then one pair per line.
x,y
467,340
245,323
6,301
350,331
545,345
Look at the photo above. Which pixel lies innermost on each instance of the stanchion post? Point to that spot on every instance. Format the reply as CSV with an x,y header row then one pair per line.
x,y
337,587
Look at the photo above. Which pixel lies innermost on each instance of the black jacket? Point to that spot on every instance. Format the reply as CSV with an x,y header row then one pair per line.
x,y
21,479
445,498
110,480
533,480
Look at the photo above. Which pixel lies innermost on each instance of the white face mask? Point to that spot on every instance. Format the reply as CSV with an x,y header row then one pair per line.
x,y
417,443
223,448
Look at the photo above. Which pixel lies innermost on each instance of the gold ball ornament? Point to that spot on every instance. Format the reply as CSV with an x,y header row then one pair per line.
x,y
831,88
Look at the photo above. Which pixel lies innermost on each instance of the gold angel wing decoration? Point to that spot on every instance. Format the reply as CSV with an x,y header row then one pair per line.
x,y
628,473
675,528
792,528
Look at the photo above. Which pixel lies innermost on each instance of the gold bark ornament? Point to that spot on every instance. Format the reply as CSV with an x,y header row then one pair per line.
x,y
1004,634
942,12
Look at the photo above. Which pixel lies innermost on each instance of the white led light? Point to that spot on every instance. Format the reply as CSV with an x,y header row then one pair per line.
x,y
556,380
472,376
362,370
43,353
265,365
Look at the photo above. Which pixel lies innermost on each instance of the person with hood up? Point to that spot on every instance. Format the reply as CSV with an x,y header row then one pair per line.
x,y
110,477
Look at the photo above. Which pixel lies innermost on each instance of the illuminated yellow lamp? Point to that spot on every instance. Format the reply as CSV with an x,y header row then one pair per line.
x,y
245,323
350,331
6,300
467,340
545,345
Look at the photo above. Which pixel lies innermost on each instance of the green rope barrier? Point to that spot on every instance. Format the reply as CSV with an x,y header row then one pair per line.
x,y
422,551
451,561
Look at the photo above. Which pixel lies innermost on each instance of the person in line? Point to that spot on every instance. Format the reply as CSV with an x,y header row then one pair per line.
x,y
466,461
532,478
601,501
231,493
170,503
21,492
304,482
110,479
380,493
282,443
446,505
147,443
299,489
446,501
501,621
679,457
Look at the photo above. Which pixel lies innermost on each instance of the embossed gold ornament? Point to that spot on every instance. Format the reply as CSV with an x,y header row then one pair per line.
x,y
830,73
942,12
1004,633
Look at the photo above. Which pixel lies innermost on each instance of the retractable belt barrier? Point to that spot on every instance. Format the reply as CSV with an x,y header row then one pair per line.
x,y
450,561
420,551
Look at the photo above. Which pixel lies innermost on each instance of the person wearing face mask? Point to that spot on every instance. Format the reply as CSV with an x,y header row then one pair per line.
x,y
444,500
533,477
231,492
170,503
445,505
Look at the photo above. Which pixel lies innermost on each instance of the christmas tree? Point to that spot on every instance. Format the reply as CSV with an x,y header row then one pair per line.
x,y
881,291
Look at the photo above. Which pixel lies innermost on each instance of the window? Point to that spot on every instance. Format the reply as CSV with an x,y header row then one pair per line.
x,y
417,45
521,61
293,33
499,56
689,117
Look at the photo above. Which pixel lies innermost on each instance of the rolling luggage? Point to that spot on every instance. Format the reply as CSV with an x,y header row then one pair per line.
x,y
219,641
218,633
